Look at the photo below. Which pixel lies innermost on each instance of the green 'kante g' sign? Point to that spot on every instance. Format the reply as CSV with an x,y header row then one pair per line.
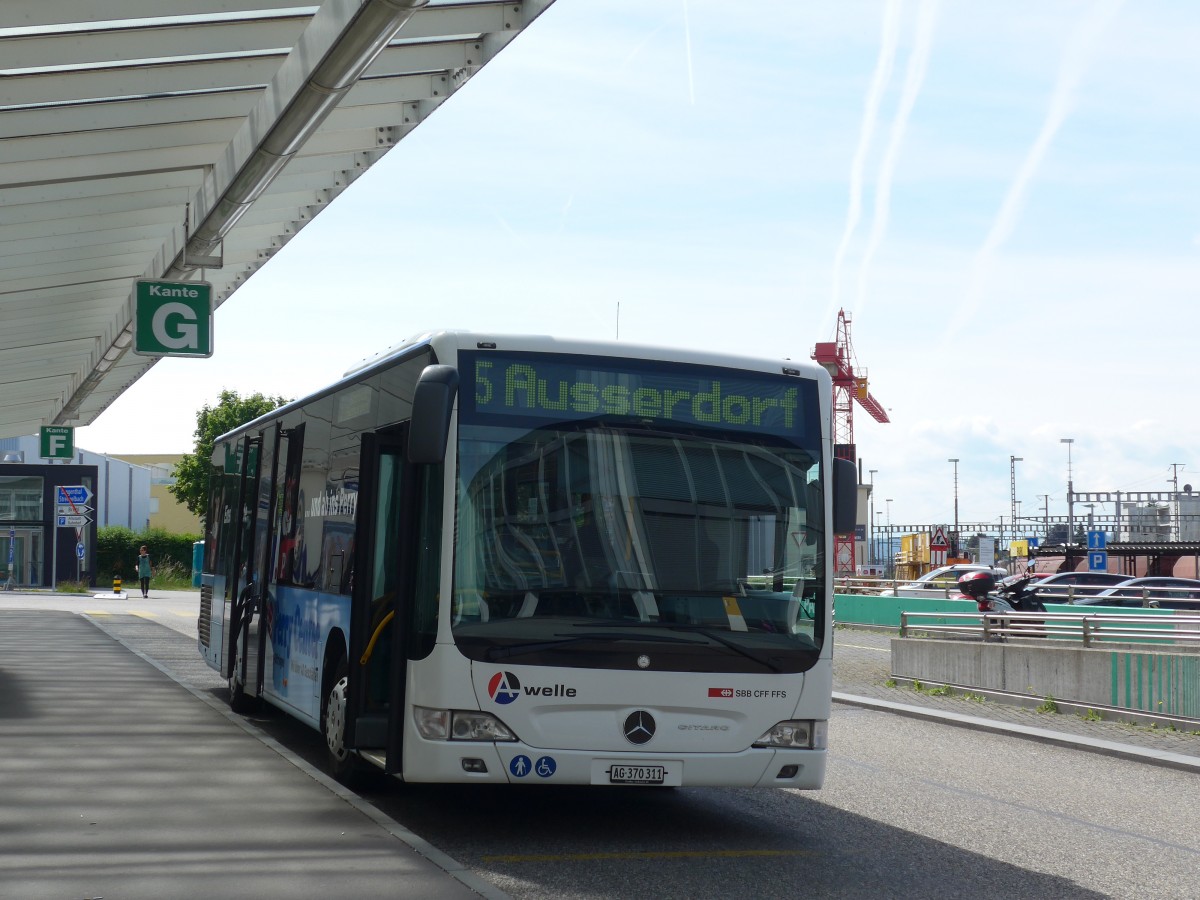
x,y
172,318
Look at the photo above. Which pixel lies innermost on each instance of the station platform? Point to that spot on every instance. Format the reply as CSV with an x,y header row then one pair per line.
x,y
120,781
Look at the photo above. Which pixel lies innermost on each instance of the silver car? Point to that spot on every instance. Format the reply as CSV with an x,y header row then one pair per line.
x,y
939,582
1158,591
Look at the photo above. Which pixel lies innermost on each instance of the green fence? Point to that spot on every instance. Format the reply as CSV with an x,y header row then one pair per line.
x,y
872,609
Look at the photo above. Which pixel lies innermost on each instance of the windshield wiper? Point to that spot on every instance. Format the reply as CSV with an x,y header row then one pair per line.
x,y
701,630
563,640
726,642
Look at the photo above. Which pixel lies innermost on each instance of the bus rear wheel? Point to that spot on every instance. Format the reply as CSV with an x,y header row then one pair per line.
x,y
239,701
342,762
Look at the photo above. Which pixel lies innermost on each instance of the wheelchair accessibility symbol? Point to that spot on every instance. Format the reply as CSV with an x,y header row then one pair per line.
x,y
545,767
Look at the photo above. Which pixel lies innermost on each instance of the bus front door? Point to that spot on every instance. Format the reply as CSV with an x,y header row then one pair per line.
x,y
239,662
380,599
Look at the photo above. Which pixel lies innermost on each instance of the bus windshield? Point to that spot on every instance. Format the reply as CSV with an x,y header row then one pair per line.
x,y
610,546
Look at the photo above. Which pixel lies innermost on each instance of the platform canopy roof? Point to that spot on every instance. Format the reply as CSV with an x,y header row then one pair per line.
x,y
188,140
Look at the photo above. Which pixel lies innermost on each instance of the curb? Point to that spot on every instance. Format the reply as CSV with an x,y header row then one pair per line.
x,y
1044,735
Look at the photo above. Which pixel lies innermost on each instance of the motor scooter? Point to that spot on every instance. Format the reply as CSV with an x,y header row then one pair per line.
x,y
1019,595
1016,597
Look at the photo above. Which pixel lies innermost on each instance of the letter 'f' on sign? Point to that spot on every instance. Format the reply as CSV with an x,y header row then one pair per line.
x,y
172,318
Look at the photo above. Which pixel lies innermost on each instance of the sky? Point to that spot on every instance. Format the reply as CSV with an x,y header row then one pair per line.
x,y
1002,197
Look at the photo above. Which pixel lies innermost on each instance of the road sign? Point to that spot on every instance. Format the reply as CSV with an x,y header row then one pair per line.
x,y
173,318
1098,561
938,541
57,442
66,509
74,495
1095,540
72,521
80,550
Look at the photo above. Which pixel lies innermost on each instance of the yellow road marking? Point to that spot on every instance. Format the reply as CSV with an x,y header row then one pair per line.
x,y
656,854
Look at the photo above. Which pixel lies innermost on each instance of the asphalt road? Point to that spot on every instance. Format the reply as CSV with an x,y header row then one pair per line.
x,y
911,808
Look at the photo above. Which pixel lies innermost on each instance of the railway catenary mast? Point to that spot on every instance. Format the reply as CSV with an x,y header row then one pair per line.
x,y
849,385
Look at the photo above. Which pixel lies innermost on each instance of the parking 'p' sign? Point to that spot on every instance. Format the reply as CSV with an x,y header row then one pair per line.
x,y
172,318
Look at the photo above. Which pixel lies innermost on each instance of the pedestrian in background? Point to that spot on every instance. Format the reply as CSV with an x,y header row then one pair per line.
x,y
145,570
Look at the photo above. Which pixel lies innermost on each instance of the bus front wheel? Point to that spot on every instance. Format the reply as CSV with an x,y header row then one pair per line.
x,y
342,762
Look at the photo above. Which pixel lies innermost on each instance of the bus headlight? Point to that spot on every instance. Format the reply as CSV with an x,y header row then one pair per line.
x,y
459,725
807,734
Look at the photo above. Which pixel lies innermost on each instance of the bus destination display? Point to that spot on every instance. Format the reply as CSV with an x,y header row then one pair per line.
x,y
540,386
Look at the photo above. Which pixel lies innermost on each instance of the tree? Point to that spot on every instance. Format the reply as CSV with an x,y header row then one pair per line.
x,y
191,474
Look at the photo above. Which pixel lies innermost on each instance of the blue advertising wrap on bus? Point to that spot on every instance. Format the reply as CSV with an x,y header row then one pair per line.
x,y
298,623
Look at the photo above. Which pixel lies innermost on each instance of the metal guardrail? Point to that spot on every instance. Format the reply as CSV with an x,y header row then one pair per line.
x,y
1090,629
1067,594
865,584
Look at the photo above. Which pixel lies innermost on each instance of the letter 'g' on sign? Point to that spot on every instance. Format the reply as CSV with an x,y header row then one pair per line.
x,y
173,318
174,326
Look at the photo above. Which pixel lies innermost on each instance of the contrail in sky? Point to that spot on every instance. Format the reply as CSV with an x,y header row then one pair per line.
x,y
687,40
1070,73
914,77
879,80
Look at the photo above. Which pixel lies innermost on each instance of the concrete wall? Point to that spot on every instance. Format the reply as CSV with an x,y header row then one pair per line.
x,y
1161,683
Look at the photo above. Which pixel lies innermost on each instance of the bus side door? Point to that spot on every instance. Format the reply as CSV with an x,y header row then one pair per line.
x,y
382,591
238,567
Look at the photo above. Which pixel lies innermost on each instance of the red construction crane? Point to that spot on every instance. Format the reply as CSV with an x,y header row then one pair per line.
x,y
849,385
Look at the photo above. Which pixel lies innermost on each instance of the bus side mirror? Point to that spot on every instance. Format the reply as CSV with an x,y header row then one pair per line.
x,y
845,496
433,402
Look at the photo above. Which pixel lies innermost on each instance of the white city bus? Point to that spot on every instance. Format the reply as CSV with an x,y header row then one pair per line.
x,y
538,561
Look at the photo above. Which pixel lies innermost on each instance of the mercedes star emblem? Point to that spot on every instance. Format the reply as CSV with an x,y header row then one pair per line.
x,y
639,727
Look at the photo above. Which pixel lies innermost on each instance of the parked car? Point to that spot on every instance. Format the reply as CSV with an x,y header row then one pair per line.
x,y
1162,591
1057,587
1035,577
936,582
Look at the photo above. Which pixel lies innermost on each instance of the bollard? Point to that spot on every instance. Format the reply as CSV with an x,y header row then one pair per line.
x,y
116,584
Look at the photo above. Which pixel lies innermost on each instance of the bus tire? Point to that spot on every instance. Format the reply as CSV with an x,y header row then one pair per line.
x,y
342,762
239,701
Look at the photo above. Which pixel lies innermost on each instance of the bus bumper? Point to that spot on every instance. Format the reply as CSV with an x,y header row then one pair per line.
x,y
452,762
